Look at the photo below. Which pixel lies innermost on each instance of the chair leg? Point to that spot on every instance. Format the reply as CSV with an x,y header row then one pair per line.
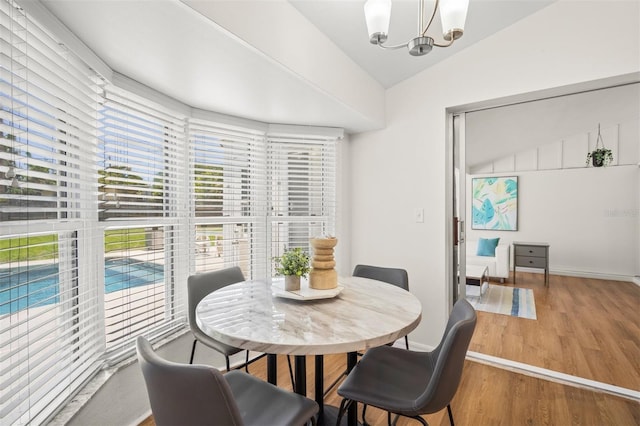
x,y
450,414
335,382
406,342
193,351
420,419
246,362
344,405
364,414
293,382
226,358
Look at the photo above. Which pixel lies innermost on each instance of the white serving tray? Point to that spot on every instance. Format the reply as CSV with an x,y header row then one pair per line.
x,y
305,292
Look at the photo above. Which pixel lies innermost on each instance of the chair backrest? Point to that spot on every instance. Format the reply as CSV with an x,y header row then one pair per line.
x,y
182,394
200,285
395,276
448,358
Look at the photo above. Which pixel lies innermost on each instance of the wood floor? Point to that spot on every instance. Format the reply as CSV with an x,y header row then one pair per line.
x,y
586,327
492,397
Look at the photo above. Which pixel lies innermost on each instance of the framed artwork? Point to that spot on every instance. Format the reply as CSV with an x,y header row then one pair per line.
x,y
494,203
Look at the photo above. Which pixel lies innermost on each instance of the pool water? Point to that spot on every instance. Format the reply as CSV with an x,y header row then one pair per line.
x,y
34,286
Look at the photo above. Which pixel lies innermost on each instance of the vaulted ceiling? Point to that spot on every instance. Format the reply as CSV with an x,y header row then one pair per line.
x,y
297,62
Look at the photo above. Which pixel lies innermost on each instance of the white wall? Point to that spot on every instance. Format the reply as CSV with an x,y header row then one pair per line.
x,y
404,166
586,215
515,128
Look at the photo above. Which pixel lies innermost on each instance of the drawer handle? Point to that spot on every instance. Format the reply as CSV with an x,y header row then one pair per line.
x,y
531,261
530,251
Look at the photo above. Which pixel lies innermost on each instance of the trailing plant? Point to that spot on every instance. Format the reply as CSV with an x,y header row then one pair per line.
x,y
600,156
293,262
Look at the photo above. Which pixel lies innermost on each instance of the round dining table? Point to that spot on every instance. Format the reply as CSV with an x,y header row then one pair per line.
x,y
260,316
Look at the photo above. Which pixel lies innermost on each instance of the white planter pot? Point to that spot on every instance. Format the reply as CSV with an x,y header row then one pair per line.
x,y
291,282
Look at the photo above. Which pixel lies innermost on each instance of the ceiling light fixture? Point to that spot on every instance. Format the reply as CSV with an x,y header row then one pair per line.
x,y
453,14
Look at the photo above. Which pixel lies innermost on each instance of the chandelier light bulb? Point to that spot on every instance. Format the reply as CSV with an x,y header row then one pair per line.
x,y
453,14
377,14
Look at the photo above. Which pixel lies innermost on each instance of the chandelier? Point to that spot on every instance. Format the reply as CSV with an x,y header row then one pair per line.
x,y
453,14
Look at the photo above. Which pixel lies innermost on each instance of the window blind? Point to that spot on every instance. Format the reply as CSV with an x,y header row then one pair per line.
x,y
107,204
140,168
139,157
46,124
228,187
302,183
51,342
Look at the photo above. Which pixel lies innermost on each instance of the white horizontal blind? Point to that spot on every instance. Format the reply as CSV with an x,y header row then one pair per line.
x,y
302,179
48,317
228,187
139,285
141,170
140,145
46,123
106,206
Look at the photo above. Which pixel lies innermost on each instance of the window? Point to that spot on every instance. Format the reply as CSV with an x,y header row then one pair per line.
x,y
48,306
109,200
139,172
257,194
228,180
302,176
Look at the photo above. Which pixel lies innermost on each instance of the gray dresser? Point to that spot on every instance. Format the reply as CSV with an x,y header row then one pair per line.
x,y
531,255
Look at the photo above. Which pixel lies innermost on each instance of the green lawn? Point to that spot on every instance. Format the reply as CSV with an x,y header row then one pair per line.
x,y
125,239
46,246
29,248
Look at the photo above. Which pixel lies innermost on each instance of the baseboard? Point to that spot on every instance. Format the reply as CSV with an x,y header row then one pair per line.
x,y
554,376
636,280
594,275
582,274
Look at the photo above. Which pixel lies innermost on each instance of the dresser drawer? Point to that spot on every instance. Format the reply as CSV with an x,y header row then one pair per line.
x,y
532,262
531,251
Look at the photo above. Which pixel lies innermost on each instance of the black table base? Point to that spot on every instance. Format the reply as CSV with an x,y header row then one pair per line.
x,y
328,415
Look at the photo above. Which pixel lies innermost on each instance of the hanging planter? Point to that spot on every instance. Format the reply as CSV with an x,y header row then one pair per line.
x,y
600,156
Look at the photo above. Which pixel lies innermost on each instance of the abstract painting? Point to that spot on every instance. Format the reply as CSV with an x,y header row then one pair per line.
x,y
494,203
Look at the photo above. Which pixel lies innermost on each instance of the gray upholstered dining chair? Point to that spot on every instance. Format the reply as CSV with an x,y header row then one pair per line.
x,y
394,276
187,394
199,286
410,383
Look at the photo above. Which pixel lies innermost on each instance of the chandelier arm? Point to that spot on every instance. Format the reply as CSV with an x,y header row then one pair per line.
x,y
433,15
394,47
444,45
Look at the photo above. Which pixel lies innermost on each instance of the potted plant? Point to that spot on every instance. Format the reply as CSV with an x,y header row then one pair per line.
x,y
600,156
293,264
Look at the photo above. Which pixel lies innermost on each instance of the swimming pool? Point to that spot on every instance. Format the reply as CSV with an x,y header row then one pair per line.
x,y
29,287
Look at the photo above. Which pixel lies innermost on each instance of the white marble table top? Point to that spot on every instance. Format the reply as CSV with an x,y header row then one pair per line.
x,y
365,314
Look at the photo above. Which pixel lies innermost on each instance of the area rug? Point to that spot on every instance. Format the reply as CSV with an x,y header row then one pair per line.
x,y
505,300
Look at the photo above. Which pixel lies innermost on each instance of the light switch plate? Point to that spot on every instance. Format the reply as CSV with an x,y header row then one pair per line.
x,y
419,215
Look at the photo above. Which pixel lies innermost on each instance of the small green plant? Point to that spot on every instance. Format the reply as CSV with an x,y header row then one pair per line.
x,y
293,262
600,157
